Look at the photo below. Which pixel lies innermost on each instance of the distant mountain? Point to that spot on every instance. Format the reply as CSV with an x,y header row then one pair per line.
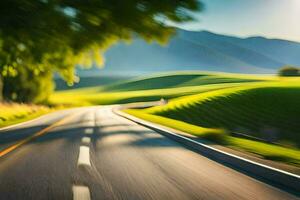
x,y
190,50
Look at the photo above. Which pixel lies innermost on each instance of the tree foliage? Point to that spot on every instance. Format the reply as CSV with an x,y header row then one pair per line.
x,y
41,37
289,71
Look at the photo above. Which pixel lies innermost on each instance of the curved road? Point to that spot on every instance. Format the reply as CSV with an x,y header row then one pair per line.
x,y
91,153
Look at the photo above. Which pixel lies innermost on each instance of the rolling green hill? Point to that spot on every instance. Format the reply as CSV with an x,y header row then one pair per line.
x,y
239,117
180,79
267,111
153,88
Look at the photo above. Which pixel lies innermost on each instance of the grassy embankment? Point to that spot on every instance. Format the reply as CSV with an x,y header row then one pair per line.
x,y
12,113
268,111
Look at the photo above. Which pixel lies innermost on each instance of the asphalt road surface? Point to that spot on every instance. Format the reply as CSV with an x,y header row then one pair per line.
x,y
91,153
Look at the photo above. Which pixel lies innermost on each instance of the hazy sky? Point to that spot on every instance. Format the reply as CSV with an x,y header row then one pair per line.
x,y
270,18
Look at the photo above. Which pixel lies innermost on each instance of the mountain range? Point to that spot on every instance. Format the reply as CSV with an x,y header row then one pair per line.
x,y
201,50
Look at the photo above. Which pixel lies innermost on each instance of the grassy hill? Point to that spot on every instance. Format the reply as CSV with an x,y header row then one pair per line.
x,y
153,88
181,79
258,110
263,111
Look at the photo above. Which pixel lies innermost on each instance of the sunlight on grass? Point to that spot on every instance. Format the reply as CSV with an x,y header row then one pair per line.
x,y
153,88
201,132
268,151
83,98
252,108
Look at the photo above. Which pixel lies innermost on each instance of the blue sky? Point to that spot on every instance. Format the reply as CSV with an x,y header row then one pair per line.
x,y
269,18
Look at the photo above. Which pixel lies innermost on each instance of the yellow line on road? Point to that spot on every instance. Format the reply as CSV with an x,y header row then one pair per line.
x,y
41,132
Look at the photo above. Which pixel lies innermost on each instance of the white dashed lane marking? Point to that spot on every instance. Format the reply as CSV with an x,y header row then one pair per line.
x,y
84,156
86,140
81,193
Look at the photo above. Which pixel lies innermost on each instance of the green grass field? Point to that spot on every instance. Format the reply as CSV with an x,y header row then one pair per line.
x,y
12,113
267,110
153,88
181,79
264,110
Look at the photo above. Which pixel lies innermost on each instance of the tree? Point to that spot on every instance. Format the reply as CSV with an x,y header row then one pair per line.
x,y
289,71
42,37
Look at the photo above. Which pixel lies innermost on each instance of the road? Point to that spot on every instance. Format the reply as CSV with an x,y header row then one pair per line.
x,y
91,153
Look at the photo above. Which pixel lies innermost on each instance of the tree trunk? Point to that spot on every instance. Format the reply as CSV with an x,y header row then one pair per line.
x,y
1,89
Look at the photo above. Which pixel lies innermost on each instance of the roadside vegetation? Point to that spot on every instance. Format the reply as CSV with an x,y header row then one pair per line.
x,y
13,113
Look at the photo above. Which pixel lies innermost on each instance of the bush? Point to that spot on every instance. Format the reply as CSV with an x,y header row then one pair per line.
x,y
289,71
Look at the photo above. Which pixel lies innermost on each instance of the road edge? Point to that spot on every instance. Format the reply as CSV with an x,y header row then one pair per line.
x,y
279,177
